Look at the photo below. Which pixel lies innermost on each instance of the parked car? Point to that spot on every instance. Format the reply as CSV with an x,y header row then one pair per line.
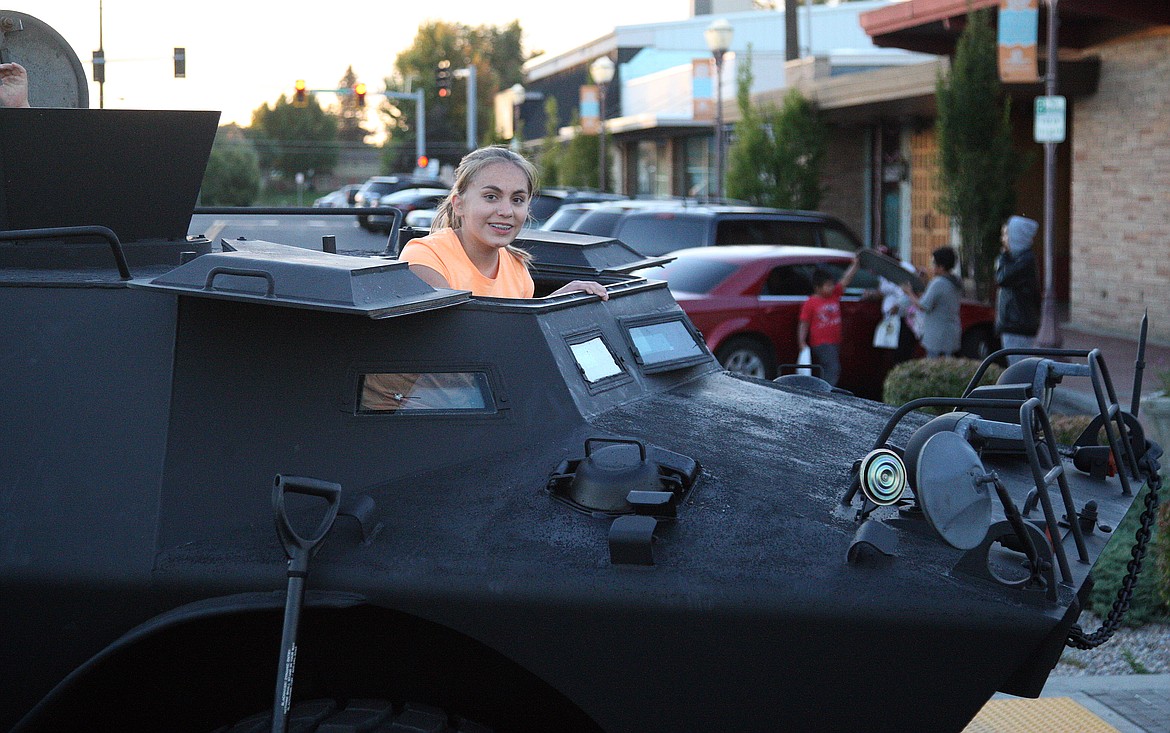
x,y
372,191
657,231
406,201
746,301
420,218
602,219
548,200
340,198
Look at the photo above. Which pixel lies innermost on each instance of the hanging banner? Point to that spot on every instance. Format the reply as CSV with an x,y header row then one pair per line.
x,y
1019,21
702,88
590,110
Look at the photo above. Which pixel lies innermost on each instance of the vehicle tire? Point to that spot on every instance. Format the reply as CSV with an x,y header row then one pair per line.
x,y
381,715
978,342
747,356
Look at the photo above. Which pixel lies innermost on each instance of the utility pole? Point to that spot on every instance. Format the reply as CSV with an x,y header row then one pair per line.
x,y
1049,334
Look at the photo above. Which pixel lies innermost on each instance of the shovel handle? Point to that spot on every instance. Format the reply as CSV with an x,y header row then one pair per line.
x,y
299,548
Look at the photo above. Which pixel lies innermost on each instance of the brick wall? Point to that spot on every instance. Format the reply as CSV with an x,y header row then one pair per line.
x,y
1120,219
843,178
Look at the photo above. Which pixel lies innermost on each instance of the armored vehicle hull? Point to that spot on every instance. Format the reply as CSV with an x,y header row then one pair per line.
x,y
551,514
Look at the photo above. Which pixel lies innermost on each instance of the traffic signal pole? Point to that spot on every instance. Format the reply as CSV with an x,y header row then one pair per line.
x,y
420,111
472,99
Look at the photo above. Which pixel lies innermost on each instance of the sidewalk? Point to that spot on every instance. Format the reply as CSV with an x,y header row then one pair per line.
x,y
1135,703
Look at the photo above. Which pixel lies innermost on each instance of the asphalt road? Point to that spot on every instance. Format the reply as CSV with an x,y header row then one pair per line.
x,y
300,230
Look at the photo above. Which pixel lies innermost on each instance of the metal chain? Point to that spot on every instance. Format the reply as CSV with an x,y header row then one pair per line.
x,y
1077,638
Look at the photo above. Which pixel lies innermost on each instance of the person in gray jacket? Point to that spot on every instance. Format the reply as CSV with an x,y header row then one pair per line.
x,y
1017,302
942,330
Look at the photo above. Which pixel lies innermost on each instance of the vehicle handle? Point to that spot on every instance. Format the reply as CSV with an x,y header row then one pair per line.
x,y
628,441
52,232
242,272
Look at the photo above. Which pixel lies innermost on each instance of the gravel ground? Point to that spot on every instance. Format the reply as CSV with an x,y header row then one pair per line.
x,y
1142,650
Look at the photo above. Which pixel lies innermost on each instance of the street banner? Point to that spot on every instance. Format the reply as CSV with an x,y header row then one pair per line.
x,y
702,88
1019,21
590,110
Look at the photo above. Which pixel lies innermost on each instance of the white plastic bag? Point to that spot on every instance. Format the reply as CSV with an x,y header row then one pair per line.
x,y
804,357
885,336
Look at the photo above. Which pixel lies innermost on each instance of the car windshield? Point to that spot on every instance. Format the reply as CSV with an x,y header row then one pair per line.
x,y
659,233
543,206
691,275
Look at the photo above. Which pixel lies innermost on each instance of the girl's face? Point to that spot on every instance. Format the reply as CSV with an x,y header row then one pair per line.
x,y
494,206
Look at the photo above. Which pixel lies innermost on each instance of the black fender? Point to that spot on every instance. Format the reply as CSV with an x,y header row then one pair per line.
x,y
212,662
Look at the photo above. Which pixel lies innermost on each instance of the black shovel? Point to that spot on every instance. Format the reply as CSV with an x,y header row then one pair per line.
x,y
299,550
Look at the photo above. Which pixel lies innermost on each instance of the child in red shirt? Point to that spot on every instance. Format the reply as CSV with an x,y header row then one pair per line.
x,y
820,321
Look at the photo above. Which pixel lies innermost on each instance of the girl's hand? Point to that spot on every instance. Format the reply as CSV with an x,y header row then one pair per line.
x,y
584,286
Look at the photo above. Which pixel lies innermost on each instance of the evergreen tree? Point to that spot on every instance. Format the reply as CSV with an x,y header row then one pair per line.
x,y
352,114
747,176
578,166
978,165
776,157
801,141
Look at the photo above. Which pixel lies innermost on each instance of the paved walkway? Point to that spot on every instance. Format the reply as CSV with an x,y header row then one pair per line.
x,y
1137,703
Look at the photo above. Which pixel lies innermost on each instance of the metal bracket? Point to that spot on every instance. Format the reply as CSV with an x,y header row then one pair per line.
x,y
872,535
631,540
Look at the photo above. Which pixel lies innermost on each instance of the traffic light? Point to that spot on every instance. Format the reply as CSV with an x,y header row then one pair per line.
x,y
300,98
359,91
443,78
422,162
180,62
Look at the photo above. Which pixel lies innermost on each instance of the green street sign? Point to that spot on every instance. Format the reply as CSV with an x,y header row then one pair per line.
x,y
1049,124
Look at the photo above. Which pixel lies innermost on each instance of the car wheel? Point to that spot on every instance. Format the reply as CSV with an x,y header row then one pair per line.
x,y
314,715
748,357
978,343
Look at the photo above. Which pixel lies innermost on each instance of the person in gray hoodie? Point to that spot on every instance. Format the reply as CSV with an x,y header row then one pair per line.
x,y
1017,302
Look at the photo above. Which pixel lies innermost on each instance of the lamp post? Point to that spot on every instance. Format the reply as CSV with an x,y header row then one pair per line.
x,y
718,36
518,95
602,72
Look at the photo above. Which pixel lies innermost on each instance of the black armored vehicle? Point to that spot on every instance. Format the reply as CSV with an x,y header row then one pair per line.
x,y
248,486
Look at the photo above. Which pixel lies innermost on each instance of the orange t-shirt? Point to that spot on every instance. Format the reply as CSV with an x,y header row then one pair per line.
x,y
442,252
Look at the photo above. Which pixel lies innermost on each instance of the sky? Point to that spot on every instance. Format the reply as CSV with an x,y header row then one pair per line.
x,y
243,54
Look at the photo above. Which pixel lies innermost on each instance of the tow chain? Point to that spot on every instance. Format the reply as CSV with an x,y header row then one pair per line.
x,y
1077,638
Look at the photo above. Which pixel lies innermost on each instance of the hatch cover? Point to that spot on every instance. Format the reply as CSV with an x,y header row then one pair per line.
x,y
279,274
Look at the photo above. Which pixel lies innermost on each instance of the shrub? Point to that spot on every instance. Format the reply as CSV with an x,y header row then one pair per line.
x,y
946,377
1151,590
232,177
1069,427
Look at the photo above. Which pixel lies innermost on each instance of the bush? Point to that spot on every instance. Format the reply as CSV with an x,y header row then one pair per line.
x,y
1152,589
946,377
1069,427
232,177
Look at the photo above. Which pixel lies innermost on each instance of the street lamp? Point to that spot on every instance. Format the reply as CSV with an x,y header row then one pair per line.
x,y
518,93
602,71
718,36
